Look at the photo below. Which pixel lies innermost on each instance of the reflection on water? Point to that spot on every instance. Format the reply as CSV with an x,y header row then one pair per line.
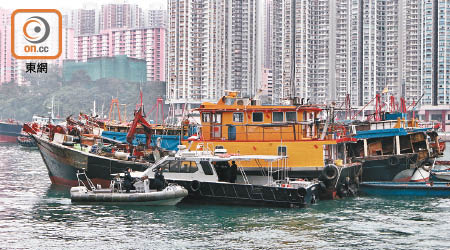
x,y
37,215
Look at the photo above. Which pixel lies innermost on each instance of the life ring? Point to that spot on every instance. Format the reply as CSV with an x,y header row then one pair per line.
x,y
330,172
393,161
195,186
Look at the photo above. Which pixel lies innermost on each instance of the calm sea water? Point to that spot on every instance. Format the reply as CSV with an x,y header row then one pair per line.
x,y
36,215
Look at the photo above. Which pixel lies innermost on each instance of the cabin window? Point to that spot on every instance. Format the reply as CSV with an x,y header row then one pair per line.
x,y
217,118
291,116
229,101
174,167
206,117
282,150
258,117
277,117
238,117
166,166
448,117
188,167
206,168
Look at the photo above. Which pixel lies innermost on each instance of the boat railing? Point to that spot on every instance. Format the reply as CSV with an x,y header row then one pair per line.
x,y
263,132
280,168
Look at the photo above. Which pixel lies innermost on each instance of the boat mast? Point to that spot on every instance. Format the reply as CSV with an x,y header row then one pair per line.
x,y
52,114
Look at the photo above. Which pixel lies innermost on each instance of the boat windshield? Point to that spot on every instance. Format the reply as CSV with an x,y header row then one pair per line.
x,y
229,101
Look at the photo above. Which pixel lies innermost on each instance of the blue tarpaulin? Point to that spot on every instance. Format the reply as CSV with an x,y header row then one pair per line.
x,y
380,133
169,142
122,137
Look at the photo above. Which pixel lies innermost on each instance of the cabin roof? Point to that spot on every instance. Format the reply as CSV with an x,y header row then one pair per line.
x,y
211,107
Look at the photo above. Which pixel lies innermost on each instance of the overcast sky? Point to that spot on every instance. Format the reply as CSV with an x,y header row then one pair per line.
x,y
75,4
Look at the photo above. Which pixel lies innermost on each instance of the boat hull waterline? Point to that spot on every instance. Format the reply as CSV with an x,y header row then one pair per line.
x,y
428,189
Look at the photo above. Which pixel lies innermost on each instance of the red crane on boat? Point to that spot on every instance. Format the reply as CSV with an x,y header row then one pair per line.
x,y
139,119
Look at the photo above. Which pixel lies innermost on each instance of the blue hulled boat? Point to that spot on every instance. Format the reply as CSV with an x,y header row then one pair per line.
x,y
431,189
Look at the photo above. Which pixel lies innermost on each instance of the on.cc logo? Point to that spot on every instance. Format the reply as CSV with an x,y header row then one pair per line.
x,y
36,34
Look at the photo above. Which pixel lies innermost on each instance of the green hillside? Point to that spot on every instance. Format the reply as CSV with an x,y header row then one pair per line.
x,y
78,95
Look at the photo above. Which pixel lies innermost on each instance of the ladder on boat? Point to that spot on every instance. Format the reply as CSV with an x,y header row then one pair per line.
x,y
244,176
89,182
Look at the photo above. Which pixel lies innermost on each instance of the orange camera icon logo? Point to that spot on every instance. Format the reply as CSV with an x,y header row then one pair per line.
x,y
36,34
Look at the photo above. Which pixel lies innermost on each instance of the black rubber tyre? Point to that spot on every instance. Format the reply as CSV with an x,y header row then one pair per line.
x,y
195,186
393,161
301,191
330,172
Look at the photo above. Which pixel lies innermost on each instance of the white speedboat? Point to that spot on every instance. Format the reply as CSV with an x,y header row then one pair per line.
x,y
204,174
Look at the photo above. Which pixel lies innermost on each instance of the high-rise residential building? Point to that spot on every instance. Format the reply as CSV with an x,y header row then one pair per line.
x,y
141,43
8,64
412,33
300,49
245,42
196,53
276,47
268,33
68,46
120,16
84,21
334,49
157,18
436,56
213,46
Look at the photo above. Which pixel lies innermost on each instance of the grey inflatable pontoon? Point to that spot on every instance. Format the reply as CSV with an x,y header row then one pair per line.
x,y
170,195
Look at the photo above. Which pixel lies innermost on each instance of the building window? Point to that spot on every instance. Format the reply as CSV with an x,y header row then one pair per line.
x,y
436,117
282,150
206,117
258,117
277,117
291,116
238,117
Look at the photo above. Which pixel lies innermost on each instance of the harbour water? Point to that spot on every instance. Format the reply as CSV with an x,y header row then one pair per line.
x,y
36,215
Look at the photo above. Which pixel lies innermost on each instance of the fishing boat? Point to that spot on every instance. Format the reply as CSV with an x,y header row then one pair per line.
x,y
72,148
87,193
26,141
9,131
245,126
389,150
441,171
64,157
428,189
390,146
